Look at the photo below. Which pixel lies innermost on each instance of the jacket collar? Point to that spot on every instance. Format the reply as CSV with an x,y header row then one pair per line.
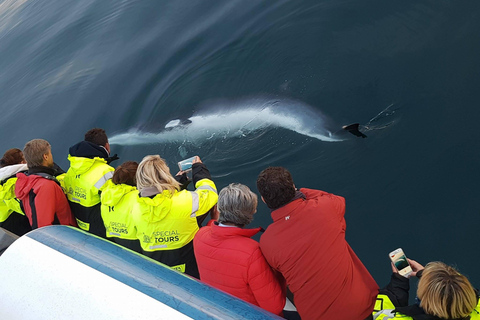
x,y
10,171
149,192
87,149
44,172
41,169
287,209
234,231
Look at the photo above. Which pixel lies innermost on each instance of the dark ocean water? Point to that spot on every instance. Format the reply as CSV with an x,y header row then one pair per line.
x,y
271,83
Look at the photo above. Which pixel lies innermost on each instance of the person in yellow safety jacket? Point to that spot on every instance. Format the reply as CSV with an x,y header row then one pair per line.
x,y
443,294
12,217
166,218
119,195
88,172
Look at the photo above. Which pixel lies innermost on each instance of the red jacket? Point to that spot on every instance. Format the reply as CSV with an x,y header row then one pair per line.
x,y
306,243
229,260
43,201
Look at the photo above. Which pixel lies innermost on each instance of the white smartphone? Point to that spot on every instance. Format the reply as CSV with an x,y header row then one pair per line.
x,y
400,262
186,165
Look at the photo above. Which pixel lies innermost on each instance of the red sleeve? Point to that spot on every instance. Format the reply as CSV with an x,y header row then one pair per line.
x,y
266,287
328,201
45,204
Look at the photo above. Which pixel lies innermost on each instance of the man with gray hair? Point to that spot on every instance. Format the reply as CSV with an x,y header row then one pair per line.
x,y
230,260
41,196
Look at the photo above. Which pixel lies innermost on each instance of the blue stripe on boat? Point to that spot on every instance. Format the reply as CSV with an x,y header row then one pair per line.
x,y
188,296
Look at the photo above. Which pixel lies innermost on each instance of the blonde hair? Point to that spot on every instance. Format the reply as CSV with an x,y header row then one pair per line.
x,y
445,293
154,172
34,151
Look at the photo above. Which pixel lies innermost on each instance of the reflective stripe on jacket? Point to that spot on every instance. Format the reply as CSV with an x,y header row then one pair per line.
x,y
82,183
385,310
8,202
168,222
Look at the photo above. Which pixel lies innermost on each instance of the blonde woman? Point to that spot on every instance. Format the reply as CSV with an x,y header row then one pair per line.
x,y
165,217
443,293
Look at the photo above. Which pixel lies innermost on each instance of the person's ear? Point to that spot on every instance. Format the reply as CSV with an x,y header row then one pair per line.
x,y
107,146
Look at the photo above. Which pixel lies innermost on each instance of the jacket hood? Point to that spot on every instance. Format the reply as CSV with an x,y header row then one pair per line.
x,y
81,165
8,171
25,184
113,193
88,150
155,209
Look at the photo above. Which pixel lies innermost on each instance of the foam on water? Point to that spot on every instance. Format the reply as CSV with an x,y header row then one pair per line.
x,y
239,122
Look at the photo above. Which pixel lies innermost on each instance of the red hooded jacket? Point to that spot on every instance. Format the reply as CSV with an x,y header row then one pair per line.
x,y
229,260
306,243
43,201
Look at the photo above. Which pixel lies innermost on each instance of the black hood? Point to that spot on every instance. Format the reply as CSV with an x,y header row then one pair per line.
x,y
87,149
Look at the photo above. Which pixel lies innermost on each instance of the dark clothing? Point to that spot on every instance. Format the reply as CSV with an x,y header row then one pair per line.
x,y
87,149
42,198
57,170
17,223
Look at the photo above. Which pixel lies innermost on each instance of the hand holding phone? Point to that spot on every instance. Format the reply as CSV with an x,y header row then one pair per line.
x,y
416,267
186,165
400,262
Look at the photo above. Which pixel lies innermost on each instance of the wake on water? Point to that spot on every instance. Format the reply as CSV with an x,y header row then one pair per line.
x,y
245,119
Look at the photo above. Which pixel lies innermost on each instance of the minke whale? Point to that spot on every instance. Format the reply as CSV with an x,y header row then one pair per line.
x,y
177,123
353,129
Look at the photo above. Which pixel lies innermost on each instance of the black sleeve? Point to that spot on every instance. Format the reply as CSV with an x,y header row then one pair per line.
x,y
183,180
397,290
112,158
199,172
57,170
202,218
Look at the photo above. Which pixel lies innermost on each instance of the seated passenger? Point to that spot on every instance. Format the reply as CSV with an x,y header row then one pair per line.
x,y
88,172
12,157
39,191
306,243
166,218
12,217
118,197
443,293
230,260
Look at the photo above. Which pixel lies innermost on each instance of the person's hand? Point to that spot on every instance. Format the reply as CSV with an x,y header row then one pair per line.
x,y
416,267
196,160
394,270
179,173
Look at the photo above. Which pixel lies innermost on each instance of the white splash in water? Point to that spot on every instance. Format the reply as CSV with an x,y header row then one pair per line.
x,y
237,123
